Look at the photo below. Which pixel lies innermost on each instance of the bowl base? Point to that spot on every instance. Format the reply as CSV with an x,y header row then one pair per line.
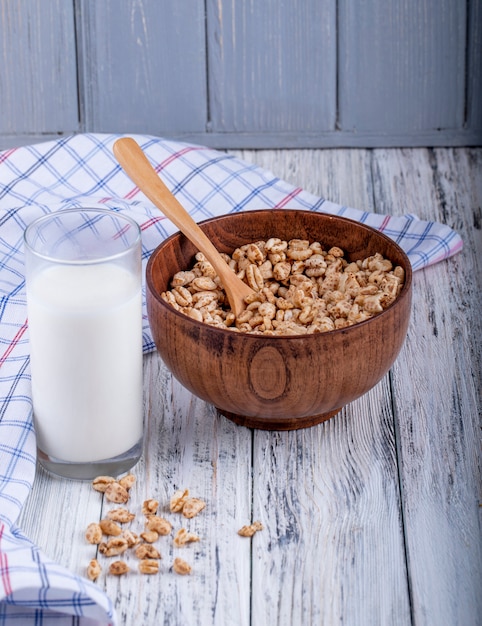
x,y
266,423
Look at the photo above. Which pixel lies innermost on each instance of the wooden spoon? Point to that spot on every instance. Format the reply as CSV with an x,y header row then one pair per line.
x,y
138,168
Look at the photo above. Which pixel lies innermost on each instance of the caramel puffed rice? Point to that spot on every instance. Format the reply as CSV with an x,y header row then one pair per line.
x,y
147,551
93,534
248,531
150,536
299,288
192,506
149,566
102,482
118,568
93,570
110,527
114,547
121,515
127,481
131,538
115,492
150,507
178,499
159,525
183,536
181,567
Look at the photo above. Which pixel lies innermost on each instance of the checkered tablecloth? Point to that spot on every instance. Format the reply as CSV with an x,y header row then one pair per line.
x,y
80,171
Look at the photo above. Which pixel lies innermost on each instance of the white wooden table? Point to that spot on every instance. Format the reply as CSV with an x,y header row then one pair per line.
x,y
370,518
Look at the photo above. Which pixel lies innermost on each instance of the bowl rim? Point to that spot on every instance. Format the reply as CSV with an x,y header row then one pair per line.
x,y
404,293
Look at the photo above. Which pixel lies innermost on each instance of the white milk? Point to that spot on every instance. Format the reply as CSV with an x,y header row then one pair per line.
x,y
86,360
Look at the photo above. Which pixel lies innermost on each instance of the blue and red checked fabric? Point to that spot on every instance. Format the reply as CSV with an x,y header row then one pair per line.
x,y
81,171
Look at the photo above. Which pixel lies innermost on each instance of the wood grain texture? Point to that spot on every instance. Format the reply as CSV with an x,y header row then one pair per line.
x,y
398,62
272,65
474,65
437,384
370,518
142,66
299,74
333,550
38,86
342,176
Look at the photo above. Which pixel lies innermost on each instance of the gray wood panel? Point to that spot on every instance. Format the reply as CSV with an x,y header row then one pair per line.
x,y
142,65
38,83
245,74
272,65
474,68
402,65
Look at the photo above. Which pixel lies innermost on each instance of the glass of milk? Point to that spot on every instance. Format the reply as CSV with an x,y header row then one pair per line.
x,y
84,302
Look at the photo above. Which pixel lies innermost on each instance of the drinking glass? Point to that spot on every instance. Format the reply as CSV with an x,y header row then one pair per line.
x,y
84,304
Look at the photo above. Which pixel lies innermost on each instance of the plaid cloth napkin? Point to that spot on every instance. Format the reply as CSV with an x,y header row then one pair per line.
x,y
80,171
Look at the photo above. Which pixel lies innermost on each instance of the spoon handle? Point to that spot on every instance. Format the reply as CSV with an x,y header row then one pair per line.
x,y
135,163
140,171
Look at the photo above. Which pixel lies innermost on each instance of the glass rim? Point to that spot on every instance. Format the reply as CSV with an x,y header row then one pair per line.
x,y
94,261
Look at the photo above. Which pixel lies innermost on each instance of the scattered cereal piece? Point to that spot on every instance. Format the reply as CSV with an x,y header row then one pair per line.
x,y
192,506
102,482
127,481
131,538
93,570
150,536
178,499
182,537
93,534
118,568
110,528
147,551
116,493
248,531
160,525
150,507
181,567
114,547
123,516
149,566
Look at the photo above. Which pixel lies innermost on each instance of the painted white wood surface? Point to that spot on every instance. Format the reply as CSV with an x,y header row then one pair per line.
x,y
371,518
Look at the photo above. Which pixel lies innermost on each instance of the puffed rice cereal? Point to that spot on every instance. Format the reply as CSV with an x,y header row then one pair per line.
x,y
180,566
299,288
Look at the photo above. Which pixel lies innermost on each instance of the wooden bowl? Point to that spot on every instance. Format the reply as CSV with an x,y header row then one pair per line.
x,y
277,382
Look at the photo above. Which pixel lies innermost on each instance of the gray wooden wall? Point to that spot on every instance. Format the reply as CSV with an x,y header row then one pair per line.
x,y
244,73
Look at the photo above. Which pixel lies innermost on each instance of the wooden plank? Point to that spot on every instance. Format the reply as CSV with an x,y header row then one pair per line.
x,y
474,67
401,65
342,176
38,88
335,139
187,445
142,66
333,548
272,65
436,384
300,140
